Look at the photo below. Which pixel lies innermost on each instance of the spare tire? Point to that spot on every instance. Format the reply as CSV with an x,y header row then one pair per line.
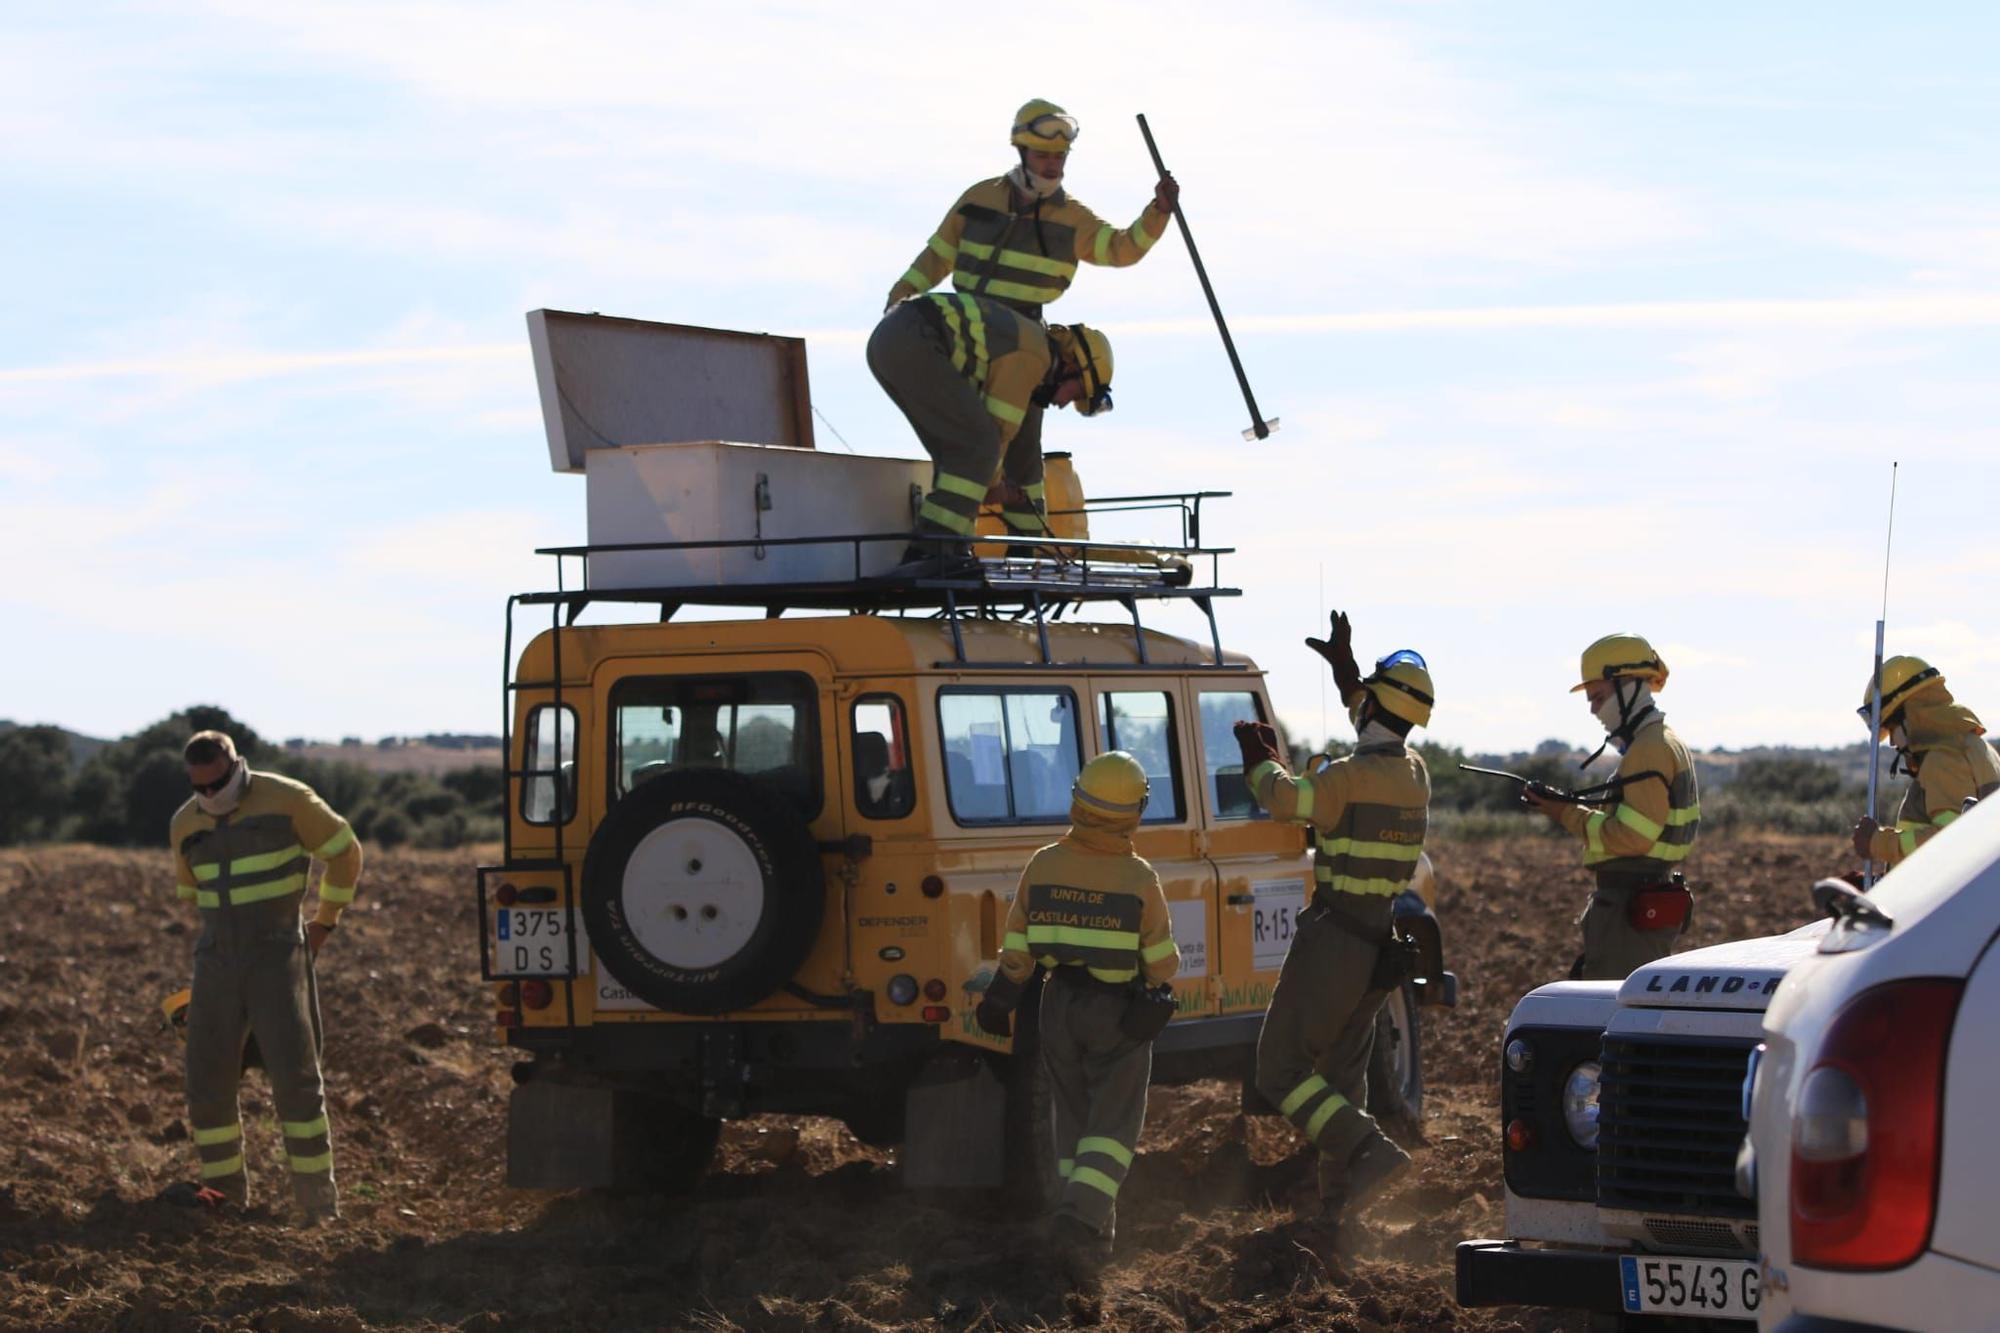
x,y
702,891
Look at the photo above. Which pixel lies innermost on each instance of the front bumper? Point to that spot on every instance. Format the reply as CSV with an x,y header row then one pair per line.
x,y
1498,1272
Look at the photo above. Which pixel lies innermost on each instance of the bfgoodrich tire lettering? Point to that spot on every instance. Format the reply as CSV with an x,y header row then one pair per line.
x,y
702,891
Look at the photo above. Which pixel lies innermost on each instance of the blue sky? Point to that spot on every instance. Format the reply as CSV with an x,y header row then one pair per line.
x,y
1579,318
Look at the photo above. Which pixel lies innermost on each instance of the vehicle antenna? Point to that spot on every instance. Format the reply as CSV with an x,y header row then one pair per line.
x,y
1875,701
1325,735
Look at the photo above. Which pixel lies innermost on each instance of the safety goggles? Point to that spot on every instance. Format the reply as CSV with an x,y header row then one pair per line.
x,y
1051,125
1401,657
1100,392
1892,702
211,788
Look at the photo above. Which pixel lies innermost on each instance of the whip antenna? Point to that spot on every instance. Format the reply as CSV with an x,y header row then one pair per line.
x,y
1875,691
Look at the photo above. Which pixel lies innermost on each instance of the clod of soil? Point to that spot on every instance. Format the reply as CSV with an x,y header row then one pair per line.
x,y
800,1226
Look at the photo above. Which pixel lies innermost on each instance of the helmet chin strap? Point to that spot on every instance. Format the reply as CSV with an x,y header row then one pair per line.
x,y
1628,719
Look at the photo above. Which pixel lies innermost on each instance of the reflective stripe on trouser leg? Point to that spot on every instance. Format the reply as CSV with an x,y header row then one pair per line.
x,y
1099,1078
911,362
215,1038
1312,1056
952,505
280,994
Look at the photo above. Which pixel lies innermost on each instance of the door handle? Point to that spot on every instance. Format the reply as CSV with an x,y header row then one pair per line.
x,y
1241,899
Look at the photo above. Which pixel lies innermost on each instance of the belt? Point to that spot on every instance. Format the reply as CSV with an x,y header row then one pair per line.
x,y
1344,922
1078,977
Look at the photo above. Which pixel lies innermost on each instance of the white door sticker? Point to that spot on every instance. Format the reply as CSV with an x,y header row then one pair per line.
x,y
1273,918
1191,935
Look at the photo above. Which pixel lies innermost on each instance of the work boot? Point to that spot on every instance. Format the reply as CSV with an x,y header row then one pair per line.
x,y
1080,1253
1372,1168
316,1199
935,559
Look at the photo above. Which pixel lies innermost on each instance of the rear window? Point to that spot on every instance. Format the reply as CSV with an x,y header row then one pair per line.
x,y
1010,754
1221,757
762,725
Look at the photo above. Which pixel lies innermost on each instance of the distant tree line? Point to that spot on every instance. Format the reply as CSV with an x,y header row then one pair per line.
x,y
125,793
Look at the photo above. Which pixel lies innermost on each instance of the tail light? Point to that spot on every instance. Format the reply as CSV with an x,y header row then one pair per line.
x,y
1868,1129
934,989
536,994
1520,1135
510,994
936,1013
933,886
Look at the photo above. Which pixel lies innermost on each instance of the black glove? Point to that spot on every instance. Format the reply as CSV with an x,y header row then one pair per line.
x,y
994,1018
1339,654
1257,742
1396,963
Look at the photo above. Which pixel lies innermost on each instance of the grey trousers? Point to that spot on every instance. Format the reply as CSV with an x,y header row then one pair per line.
x,y
908,355
1099,1076
1613,948
1312,1056
254,977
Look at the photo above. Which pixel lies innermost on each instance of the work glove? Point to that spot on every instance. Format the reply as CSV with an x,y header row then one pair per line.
x,y
1257,742
1167,192
1864,838
994,1018
1339,654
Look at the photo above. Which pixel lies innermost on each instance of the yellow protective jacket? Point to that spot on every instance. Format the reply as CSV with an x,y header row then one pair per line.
x,y
1368,812
1950,760
1088,901
1022,251
1005,355
263,848
1650,828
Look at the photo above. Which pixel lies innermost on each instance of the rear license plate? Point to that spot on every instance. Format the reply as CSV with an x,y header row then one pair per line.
x,y
534,942
1715,1288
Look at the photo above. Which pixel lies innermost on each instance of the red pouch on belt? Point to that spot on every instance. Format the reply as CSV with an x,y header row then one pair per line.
x,y
1662,907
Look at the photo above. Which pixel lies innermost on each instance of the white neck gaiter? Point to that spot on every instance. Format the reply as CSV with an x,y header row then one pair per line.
x,y
220,803
1611,716
1035,187
1376,734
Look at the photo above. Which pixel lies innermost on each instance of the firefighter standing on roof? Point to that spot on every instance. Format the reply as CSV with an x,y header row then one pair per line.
x,y
242,847
1636,837
1368,813
967,372
1940,743
1017,239
1090,911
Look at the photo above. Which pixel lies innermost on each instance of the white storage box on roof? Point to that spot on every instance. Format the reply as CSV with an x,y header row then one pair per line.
x,y
687,434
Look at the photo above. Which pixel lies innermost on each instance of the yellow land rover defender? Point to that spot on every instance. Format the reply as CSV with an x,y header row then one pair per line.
x,y
762,864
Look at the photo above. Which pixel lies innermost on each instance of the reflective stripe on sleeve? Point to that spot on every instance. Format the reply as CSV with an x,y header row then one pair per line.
x,y
1593,830
335,845
1153,953
917,278
334,893
1015,942
185,892
1006,411
1142,238
1306,794
942,248
1906,838
1638,823
1101,249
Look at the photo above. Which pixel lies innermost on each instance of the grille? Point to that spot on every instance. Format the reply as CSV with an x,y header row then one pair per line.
x,y
1669,1124
1693,1234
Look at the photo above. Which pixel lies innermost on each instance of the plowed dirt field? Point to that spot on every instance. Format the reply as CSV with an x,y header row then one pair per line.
x,y
798,1227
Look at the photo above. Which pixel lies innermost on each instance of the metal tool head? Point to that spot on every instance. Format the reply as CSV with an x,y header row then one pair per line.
x,y
1262,430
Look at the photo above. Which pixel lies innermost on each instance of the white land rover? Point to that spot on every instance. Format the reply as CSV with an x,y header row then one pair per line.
x,y
1873,1153
1623,1111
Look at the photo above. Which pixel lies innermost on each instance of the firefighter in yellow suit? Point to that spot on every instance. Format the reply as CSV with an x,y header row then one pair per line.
x,y
1635,837
1368,812
1017,239
242,848
967,372
1940,743
1090,912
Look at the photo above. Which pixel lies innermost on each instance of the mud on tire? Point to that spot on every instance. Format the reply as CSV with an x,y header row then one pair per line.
x,y
702,891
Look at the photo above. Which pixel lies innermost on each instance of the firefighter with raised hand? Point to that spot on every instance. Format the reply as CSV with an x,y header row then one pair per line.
x,y
1940,743
1089,910
242,846
1017,239
968,371
1368,813
1637,828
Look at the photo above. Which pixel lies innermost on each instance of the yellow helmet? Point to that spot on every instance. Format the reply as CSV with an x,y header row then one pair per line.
x,y
1401,685
1903,678
1089,351
1045,127
1617,656
175,1010
1112,784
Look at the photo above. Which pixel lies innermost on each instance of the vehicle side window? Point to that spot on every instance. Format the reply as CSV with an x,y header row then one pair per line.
x,y
883,788
1010,754
1221,759
548,756
757,724
1141,723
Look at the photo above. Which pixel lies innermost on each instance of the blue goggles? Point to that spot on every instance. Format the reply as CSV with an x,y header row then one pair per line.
x,y
1402,657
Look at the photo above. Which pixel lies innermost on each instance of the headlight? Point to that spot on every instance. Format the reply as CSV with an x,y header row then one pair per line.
x,y
1580,1103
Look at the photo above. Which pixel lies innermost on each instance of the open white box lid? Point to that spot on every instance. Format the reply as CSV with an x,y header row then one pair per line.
x,y
608,382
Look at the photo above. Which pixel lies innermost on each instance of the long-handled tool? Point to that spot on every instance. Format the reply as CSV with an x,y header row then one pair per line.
x,y
1259,428
1875,691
